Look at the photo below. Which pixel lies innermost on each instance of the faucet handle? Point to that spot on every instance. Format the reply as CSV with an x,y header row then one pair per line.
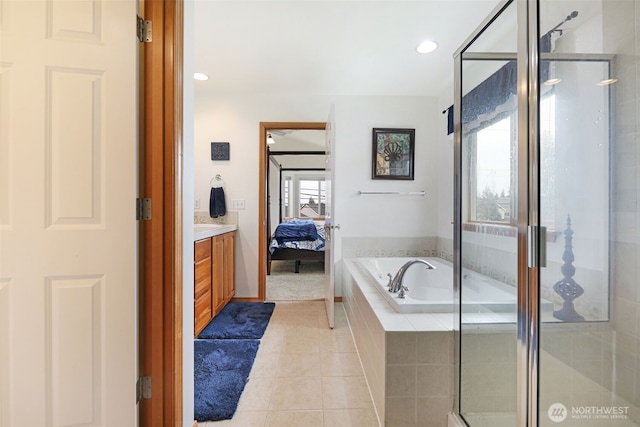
x,y
403,292
390,280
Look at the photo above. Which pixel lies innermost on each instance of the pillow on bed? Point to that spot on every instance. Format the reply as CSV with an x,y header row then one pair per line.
x,y
296,230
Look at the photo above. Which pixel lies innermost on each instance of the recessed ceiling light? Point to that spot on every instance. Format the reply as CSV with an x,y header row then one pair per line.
x,y
200,76
427,46
606,82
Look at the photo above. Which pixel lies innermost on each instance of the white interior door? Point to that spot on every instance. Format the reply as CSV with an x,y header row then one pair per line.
x,y
329,227
68,144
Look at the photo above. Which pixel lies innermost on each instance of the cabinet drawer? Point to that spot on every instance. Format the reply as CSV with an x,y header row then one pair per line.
x,y
202,300
203,313
202,249
201,288
203,271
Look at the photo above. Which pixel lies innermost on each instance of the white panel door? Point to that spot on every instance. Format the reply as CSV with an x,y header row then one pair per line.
x,y
329,227
68,143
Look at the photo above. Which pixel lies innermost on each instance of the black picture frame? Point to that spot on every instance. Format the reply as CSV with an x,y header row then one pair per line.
x,y
220,151
393,155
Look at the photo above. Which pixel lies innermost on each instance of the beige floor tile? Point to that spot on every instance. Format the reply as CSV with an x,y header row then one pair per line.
x,y
345,393
299,365
296,393
350,418
341,365
302,331
301,344
272,343
276,326
256,394
337,343
265,365
294,419
241,419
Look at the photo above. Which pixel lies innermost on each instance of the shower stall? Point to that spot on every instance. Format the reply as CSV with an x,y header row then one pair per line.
x,y
546,183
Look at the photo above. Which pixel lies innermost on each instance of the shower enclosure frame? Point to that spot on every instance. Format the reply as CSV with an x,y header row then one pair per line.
x,y
528,222
530,248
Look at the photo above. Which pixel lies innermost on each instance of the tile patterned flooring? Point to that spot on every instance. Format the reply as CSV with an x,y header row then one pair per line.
x,y
305,374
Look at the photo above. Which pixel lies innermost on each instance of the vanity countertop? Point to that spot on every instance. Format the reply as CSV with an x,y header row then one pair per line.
x,y
202,231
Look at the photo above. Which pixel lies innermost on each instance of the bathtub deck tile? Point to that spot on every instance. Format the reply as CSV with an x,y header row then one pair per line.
x,y
391,322
427,322
447,320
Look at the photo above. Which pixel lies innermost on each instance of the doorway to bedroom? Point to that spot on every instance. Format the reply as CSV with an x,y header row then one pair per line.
x,y
295,203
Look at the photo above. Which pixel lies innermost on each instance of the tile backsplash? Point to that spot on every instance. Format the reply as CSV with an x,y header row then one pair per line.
x,y
354,247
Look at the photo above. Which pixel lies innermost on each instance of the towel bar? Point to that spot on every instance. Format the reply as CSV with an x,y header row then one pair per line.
x,y
412,193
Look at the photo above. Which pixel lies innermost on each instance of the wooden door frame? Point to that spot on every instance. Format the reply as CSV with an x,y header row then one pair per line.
x,y
262,192
161,302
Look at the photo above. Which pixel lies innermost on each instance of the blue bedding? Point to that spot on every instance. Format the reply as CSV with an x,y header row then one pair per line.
x,y
296,230
307,242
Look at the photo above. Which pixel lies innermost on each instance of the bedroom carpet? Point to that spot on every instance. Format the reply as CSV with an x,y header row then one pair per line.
x,y
285,285
239,320
221,370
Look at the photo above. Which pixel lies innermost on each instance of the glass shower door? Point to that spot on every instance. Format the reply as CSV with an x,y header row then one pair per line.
x,y
547,227
588,185
488,232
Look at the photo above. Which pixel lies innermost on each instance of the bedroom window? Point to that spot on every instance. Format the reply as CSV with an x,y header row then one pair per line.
x,y
286,197
312,197
303,195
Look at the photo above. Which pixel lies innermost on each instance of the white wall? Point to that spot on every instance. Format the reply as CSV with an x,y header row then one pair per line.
x,y
236,118
445,166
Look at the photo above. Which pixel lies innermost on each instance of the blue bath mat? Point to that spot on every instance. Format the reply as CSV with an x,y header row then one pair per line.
x,y
240,320
221,369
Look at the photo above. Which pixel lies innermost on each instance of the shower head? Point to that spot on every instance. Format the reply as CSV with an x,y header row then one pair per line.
x,y
568,18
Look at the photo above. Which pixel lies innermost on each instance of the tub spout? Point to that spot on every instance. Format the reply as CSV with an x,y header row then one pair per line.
x,y
396,283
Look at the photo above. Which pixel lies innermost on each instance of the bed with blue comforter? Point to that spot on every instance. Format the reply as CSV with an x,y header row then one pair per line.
x,y
297,240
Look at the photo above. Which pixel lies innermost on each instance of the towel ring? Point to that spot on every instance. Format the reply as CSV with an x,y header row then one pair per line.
x,y
216,181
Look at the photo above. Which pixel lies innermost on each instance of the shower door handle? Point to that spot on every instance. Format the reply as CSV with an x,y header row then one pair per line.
x,y
537,246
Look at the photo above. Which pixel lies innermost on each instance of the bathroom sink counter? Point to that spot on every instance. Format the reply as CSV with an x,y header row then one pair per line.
x,y
203,231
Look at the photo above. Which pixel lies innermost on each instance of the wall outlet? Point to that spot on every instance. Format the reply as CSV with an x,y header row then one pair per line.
x,y
237,204
196,204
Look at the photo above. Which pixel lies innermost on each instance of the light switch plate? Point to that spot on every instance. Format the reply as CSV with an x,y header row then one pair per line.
x,y
237,204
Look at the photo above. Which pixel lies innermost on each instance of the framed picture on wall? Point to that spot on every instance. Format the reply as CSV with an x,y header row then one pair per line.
x,y
393,153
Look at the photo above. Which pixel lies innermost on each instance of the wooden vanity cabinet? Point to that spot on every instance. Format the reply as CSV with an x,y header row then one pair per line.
x,y
229,282
203,307
214,285
217,273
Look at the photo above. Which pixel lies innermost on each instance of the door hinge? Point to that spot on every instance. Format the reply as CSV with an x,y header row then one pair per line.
x,y
145,30
143,388
143,209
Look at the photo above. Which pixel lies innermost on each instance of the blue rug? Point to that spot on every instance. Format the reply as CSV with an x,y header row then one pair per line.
x,y
239,320
221,369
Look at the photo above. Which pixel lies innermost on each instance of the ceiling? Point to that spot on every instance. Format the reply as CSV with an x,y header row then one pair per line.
x,y
297,140
328,47
287,140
